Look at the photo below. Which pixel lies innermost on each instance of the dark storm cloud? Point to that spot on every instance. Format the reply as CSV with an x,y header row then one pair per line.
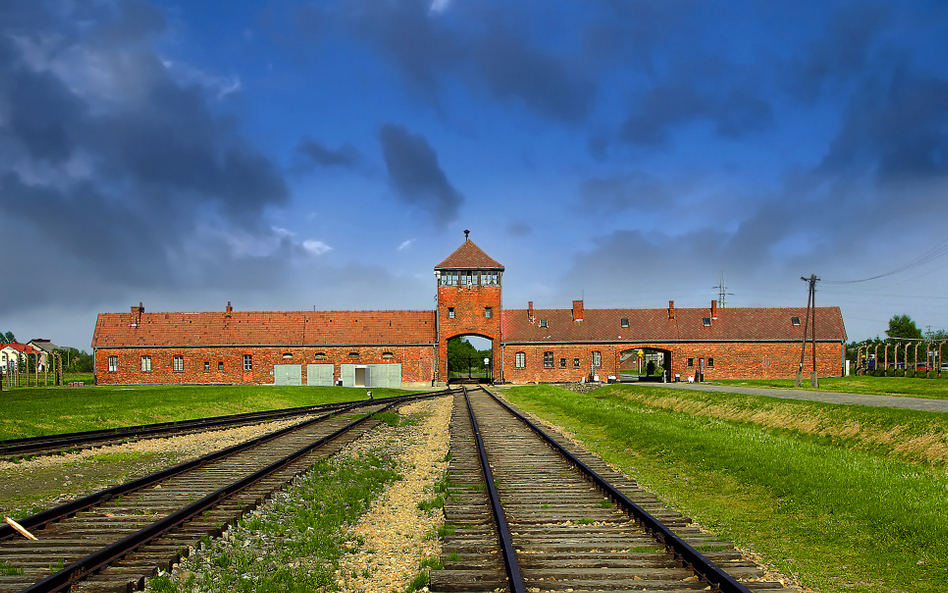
x,y
345,156
430,50
544,83
405,34
735,112
841,53
120,164
415,174
898,128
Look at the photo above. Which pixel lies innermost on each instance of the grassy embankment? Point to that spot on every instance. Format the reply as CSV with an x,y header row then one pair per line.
x,y
843,498
897,386
39,411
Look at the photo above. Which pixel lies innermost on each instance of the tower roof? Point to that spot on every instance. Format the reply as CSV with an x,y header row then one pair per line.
x,y
469,256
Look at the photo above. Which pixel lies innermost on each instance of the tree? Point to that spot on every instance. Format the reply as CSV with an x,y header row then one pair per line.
x,y
462,356
7,338
902,326
76,361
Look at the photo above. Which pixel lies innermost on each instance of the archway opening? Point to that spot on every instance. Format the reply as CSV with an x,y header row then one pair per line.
x,y
644,364
470,359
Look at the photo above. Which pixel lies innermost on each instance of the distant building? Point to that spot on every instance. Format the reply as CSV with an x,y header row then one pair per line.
x,y
13,356
409,348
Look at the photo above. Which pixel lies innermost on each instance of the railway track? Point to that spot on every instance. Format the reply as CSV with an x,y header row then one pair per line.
x,y
556,528
113,540
57,443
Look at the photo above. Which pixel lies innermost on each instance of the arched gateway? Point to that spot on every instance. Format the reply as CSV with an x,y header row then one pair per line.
x,y
409,348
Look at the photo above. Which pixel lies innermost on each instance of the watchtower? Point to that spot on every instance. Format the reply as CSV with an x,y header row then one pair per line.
x,y
469,290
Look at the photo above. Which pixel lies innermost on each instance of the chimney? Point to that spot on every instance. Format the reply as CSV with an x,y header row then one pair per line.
x,y
530,311
714,309
577,310
671,309
228,310
137,314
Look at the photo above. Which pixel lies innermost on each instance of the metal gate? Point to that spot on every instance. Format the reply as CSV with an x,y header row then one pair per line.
x,y
320,375
288,374
371,375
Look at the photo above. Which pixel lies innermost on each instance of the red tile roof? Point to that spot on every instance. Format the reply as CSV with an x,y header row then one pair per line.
x,y
653,325
24,348
264,328
469,256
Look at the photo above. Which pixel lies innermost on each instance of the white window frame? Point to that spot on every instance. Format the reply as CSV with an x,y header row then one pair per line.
x,y
146,363
113,363
177,362
520,360
248,362
596,358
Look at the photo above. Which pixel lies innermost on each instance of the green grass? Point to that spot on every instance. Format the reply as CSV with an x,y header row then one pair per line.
x,y
309,525
867,385
41,411
840,514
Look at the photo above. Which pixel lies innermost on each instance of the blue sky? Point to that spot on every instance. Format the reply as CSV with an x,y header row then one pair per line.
x,y
290,155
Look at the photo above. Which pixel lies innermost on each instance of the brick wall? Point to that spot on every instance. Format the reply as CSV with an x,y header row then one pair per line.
x,y
730,360
416,361
469,304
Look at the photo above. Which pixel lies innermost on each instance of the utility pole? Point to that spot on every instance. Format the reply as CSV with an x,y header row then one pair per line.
x,y
810,305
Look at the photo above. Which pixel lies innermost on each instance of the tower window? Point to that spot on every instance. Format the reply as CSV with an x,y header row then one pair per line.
x,y
450,312
488,312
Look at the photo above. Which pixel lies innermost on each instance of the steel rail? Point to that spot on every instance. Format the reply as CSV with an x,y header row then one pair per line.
x,y
514,577
95,561
72,439
71,508
702,566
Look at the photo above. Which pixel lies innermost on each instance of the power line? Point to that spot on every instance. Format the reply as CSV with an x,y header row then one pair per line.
x,y
930,255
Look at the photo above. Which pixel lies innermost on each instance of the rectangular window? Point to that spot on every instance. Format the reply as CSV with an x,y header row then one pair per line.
x,y
711,362
488,312
691,362
576,363
220,365
177,362
548,360
450,312
248,362
207,365
597,358
146,363
520,360
562,363
624,322
113,364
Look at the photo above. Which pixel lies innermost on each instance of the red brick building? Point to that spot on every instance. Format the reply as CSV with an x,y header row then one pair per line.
x,y
406,348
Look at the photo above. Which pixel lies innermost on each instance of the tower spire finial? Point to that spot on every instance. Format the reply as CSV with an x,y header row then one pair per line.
x,y
466,233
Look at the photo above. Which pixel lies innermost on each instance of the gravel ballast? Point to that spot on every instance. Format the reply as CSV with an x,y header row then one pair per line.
x,y
382,548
